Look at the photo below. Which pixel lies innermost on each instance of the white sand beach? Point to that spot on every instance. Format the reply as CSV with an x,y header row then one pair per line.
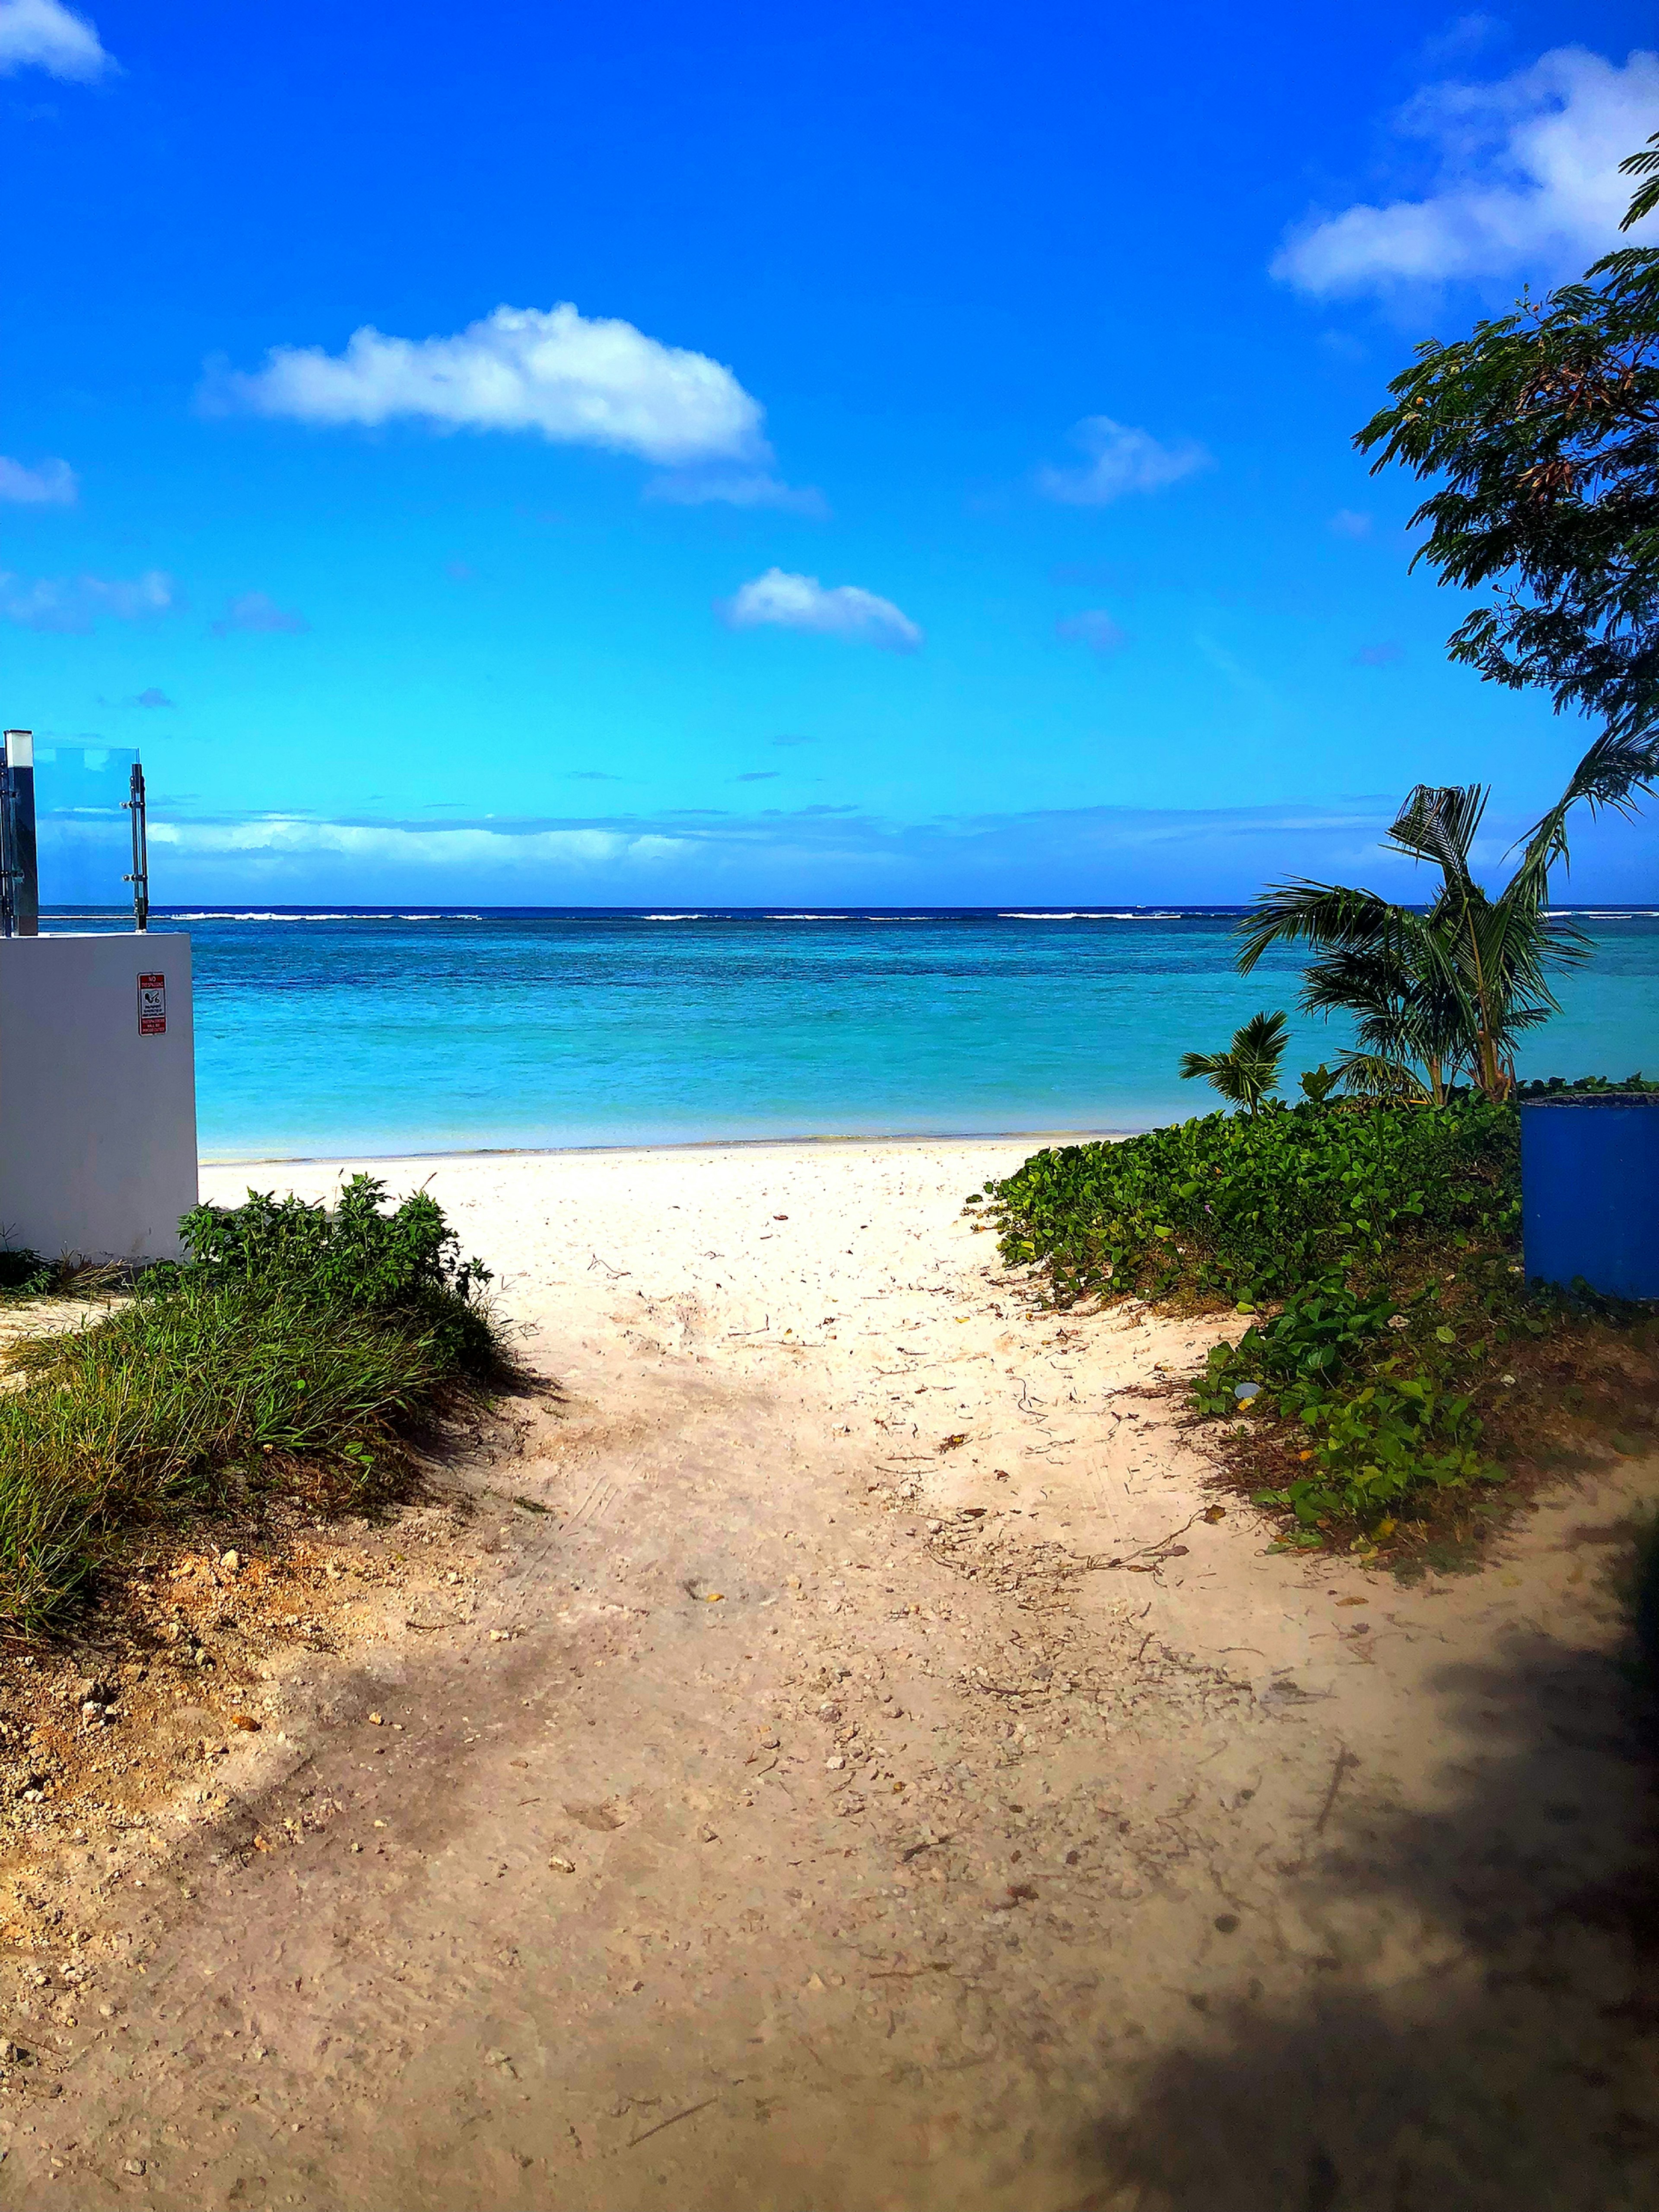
x,y
847,1754
847,1275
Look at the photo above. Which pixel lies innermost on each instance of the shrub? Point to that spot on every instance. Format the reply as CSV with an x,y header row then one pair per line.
x,y
1246,1207
353,1255
1385,1238
352,1252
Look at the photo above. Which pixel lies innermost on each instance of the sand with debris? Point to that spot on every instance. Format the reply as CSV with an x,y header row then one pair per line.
x,y
844,1753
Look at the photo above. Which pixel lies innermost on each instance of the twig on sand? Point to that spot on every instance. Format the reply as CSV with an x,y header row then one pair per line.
x,y
669,2121
1345,1763
1097,1565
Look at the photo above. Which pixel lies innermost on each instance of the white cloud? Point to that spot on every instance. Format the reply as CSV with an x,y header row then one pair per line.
x,y
1349,522
751,487
578,382
1527,181
257,611
1120,459
51,484
75,603
43,34
1094,627
786,602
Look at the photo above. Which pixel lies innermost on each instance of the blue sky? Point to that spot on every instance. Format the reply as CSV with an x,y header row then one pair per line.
x,y
740,455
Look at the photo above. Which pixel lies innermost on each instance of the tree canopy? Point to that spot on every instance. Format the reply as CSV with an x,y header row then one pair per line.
x,y
1543,426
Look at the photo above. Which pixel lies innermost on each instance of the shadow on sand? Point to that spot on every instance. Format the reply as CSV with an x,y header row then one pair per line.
x,y
1482,2029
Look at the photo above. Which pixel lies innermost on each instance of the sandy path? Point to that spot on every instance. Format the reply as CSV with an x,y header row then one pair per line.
x,y
870,1781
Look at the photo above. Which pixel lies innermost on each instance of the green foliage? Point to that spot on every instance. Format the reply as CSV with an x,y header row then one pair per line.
x,y
1544,427
1362,1394
288,1336
1246,1072
1555,1086
1241,1207
1645,198
1318,1083
1374,1391
352,1254
24,1272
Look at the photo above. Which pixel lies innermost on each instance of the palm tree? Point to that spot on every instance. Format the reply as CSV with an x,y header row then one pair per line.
x,y
1246,1072
1449,990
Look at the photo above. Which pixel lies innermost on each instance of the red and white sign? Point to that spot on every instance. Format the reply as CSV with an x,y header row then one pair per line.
x,y
152,1005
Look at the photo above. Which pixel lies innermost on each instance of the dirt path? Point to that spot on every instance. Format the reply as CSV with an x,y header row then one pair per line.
x,y
856,1773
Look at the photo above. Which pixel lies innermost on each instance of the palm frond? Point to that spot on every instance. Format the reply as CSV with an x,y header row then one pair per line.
x,y
1301,912
1617,772
1453,988
1439,824
1380,1076
1245,1073
1261,1038
1204,1063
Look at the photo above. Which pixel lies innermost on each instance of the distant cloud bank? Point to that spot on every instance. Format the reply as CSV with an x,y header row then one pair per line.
x,y
1119,460
42,34
781,601
826,856
1528,181
577,380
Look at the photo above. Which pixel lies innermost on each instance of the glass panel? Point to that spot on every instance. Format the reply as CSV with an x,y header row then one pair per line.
x,y
84,836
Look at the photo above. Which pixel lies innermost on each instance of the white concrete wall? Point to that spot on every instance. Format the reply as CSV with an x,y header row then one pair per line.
x,y
97,1121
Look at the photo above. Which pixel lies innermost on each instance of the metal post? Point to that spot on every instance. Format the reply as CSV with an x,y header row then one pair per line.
x,y
140,877
25,862
9,870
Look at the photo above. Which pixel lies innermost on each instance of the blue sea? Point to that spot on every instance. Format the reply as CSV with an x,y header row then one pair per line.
x,y
369,1030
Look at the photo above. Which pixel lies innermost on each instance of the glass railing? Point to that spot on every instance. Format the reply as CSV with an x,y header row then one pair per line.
x,y
86,839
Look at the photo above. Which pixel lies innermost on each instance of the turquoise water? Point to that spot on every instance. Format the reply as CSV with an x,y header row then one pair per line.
x,y
376,1032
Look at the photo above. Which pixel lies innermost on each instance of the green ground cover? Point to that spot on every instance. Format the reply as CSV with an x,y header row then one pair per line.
x,y
294,1344
1393,1359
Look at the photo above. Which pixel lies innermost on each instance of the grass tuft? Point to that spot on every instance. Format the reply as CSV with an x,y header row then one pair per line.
x,y
291,1335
